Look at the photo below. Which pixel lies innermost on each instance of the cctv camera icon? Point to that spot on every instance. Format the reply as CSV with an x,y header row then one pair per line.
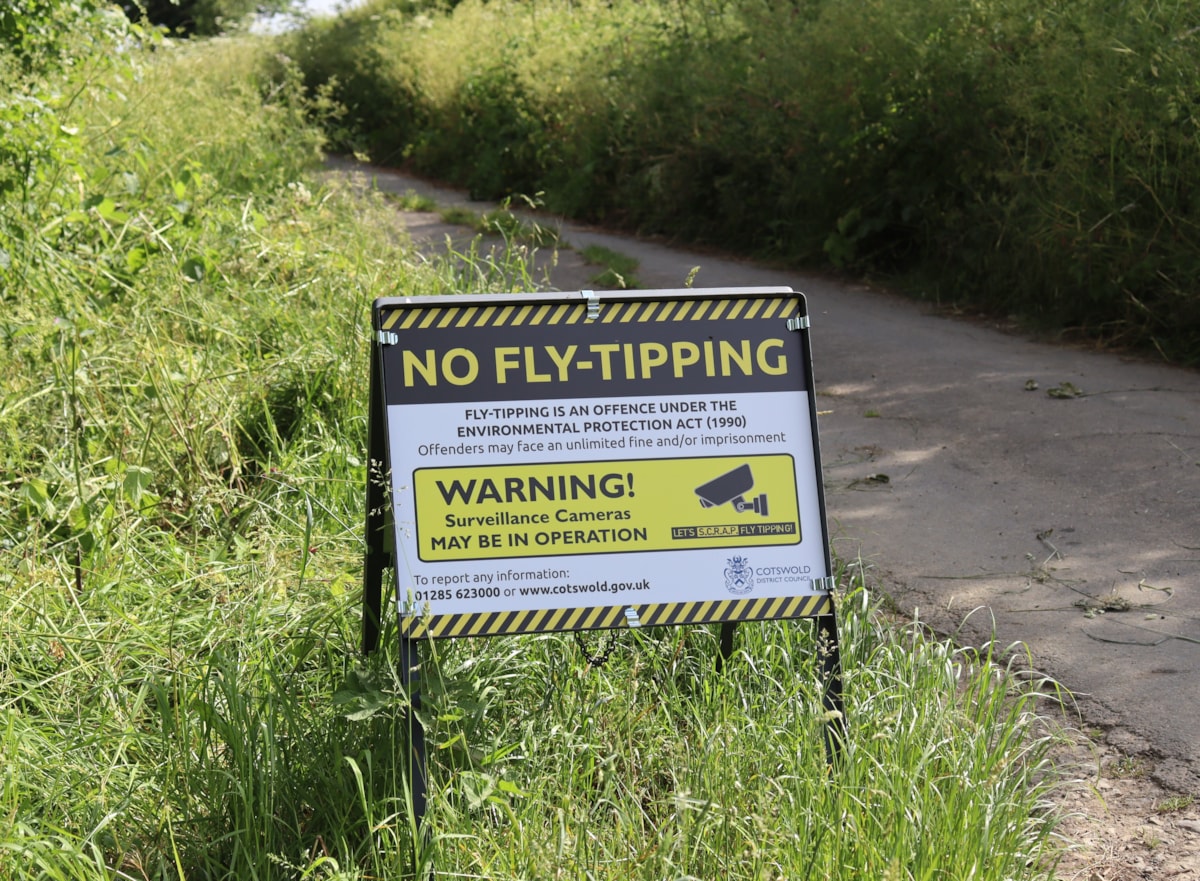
x,y
731,488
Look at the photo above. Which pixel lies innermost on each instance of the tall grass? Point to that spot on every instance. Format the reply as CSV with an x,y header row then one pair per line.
x,y
182,426
1027,156
662,768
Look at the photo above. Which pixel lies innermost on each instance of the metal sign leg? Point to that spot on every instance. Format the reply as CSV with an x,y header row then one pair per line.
x,y
831,675
378,536
831,678
727,629
416,765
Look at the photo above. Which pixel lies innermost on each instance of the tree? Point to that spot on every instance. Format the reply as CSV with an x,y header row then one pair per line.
x,y
35,34
198,17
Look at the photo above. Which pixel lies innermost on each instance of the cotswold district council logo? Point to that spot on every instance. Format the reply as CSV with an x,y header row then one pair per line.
x,y
739,577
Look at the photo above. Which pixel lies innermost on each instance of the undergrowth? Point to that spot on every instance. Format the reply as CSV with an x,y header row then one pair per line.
x,y
182,426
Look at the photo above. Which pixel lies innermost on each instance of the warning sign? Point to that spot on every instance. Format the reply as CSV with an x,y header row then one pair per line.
x,y
553,352
604,507
569,461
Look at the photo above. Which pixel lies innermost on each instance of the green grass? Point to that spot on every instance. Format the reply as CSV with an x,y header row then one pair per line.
x,y
1174,803
412,201
660,767
501,222
504,222
618,271
460,216
182,436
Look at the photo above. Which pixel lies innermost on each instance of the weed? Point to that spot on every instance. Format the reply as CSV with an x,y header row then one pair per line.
x,y
459,216
503,222
1128,767
618,271
1174,803
412,201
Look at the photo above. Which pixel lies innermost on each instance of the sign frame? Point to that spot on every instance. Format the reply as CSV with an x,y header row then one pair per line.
x,y
413,382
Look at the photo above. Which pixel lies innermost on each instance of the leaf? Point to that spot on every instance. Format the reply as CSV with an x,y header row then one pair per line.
x,y
79,518
361,695
511,788
135,259
109,211
194,268
477,787
337,587
137,481
36,493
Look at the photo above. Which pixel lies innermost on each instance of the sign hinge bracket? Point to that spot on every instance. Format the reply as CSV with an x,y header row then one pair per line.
x,y
632,618
828,585
593,305
386,337
799,322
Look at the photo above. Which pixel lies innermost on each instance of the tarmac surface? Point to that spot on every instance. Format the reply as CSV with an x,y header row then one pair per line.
x,y
995,487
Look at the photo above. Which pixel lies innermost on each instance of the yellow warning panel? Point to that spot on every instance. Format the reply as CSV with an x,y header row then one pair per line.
x,y
565,508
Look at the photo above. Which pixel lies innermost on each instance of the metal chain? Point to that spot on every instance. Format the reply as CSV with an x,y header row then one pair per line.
x,y
602,655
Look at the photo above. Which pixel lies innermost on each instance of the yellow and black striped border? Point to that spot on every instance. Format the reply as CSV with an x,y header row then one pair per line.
x,y
609,617
517,315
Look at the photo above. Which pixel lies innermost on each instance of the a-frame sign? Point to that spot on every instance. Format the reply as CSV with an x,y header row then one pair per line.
x,y
594,460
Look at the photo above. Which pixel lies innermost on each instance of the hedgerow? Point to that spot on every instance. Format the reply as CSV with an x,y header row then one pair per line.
x,y
1025,156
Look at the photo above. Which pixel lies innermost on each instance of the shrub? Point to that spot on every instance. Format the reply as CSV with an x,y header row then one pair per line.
x,y
1025,157
197,17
